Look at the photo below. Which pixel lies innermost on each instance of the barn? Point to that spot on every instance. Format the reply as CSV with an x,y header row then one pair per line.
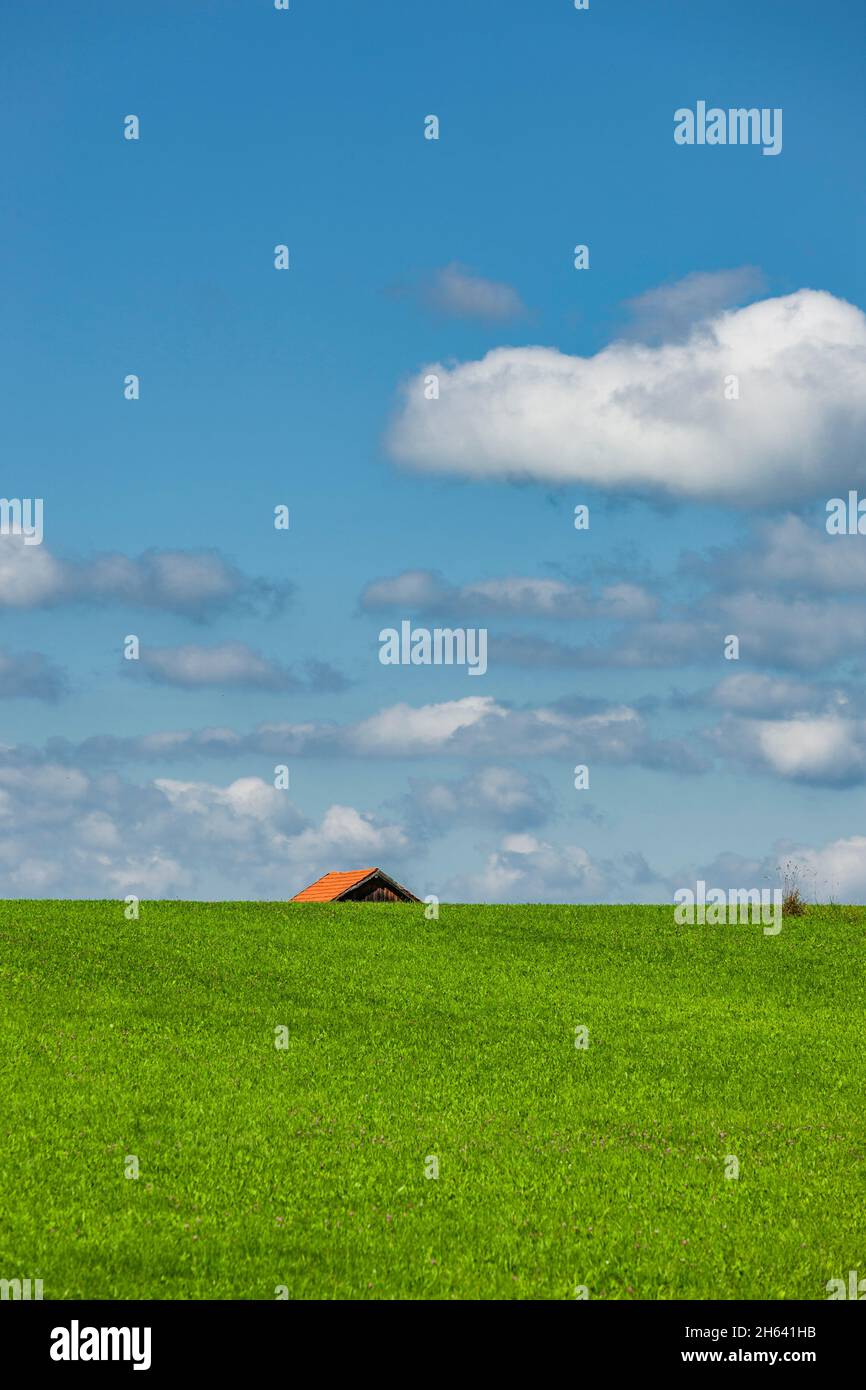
x,y
355,886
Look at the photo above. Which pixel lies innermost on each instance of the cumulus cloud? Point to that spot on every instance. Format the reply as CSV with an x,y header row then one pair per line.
x,y
823,750
792,594
232,665
669,312
524,868
814,749
497,796
814,734
655,419
72,832
477,727
69,833
793,554
481,727
832,872
786,554
753,693
457,292
668,642
786,728
194,583
405,730
30,675
794,634
838,869
427,591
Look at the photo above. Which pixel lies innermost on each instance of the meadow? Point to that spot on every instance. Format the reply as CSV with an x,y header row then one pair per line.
x,y
285,1076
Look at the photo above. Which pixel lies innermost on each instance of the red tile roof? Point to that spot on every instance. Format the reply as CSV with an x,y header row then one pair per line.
x,y
331,886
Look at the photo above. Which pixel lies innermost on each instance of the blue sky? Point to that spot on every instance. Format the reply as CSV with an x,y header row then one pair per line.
x,y
261,387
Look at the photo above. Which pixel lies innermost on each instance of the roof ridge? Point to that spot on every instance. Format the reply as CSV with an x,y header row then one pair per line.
x,y
345,878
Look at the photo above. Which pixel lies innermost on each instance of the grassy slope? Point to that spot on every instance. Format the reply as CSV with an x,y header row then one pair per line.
x,y
305,1167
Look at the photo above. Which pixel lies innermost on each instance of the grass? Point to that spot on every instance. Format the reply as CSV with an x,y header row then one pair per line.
x,y
305,1167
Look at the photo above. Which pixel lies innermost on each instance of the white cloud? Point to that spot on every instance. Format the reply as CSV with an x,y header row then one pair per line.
x,y
794,633
809,748
833,872
524,868
51,789
71,834
247,798
417,729
231,665
527,869
29,574
426,591
196,584
477,727
67,833
454,290
347,832
29,674
500,796
656,419
793,555
786,555
420,590
838,869
670,311
753,693
784,633
666,642
821,750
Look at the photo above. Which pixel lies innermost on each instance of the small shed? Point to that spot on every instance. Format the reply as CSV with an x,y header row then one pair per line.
x,y
355,886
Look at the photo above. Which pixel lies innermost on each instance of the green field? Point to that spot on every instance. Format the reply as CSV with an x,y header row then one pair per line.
x,y
304,1166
